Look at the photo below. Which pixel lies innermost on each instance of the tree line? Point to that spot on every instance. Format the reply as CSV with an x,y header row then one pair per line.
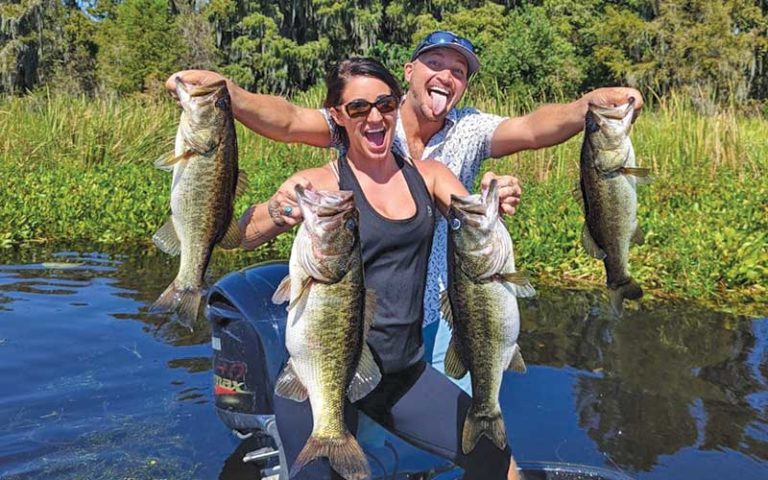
x,y
714,51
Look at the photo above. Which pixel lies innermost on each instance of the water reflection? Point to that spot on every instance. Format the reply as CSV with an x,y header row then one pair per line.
x,y
663,379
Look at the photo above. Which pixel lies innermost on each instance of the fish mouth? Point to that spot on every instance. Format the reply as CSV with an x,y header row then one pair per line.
x,y
325,210
618,112
470,210
324,203
196,91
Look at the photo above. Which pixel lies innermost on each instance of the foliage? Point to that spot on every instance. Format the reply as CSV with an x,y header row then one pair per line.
x,y
717,52
81,169
135,47
708,49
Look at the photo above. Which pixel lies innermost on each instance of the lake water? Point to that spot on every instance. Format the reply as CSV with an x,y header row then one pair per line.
x,y
93,387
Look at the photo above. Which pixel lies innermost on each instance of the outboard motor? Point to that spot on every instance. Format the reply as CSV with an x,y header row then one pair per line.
x,y
248,340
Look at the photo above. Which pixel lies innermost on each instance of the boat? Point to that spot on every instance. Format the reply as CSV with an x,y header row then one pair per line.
x,y
248,342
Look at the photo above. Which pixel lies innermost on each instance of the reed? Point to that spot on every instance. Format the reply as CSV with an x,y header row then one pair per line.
x,y
76,168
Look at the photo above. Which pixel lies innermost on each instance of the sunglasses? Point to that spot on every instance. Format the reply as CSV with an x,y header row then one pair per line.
x,y
359,108
442,37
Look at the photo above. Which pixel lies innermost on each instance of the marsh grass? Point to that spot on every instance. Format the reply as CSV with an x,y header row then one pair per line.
x,y
81,169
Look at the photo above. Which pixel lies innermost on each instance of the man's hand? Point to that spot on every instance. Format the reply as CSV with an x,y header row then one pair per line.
x,y
614,96
509,191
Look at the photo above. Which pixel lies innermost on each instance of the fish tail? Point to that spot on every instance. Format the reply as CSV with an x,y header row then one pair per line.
x,y
344,454
629,290
492,426
185,302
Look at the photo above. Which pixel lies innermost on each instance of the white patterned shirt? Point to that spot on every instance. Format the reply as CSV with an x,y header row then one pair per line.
x,y
462,144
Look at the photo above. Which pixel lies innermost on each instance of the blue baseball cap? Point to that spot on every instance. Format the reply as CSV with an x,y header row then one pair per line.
x,y
446,39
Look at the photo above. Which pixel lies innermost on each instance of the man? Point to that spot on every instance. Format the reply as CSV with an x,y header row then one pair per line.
x,y
429,126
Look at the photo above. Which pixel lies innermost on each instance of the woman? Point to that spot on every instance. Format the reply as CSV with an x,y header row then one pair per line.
x,y
396,200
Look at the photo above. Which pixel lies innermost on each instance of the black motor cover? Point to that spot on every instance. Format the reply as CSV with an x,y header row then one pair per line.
x,y
248,340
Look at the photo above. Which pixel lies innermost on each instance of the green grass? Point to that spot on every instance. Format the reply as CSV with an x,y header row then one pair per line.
x,y
76,169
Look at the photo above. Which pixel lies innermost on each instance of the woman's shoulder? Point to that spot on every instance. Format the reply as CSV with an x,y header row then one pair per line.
x,y
431,167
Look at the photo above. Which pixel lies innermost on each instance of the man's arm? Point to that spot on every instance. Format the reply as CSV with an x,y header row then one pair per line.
x,y
268,115
555,123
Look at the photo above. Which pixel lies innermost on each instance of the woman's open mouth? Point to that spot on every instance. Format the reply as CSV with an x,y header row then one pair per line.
x,y
375,137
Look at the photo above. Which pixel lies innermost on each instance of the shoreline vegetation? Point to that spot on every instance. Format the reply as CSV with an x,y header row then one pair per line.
x,y
78,169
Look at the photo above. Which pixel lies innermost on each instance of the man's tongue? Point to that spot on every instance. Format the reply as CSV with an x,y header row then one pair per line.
x,y
439,102
375,138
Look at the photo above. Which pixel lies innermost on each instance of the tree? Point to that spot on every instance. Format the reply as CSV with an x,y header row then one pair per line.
x,y
708,49
25,43
138,45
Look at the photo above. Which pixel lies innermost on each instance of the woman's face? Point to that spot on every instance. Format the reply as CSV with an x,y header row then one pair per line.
x,y
370,130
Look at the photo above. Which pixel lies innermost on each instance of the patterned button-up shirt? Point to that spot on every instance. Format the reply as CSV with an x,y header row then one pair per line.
x,y
462,144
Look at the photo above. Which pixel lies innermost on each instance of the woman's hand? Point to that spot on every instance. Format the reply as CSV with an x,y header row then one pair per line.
x,y
283,207
192,77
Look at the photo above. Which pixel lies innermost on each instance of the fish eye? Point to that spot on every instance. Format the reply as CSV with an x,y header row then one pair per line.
x,y
455,223
222,103
350,224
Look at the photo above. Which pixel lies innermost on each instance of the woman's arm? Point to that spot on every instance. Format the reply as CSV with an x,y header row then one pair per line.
x,y
268,115
264,221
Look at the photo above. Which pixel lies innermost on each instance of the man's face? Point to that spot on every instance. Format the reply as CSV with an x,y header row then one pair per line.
x,y
438,79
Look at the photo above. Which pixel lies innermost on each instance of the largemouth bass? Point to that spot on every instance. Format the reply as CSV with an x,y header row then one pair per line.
x,y
329,315
609,177
481,306
205,182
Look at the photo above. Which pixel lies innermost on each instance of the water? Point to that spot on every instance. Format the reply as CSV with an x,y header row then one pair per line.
x,y
93,387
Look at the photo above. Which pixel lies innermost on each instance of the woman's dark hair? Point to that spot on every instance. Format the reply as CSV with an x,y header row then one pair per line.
x,y
341,72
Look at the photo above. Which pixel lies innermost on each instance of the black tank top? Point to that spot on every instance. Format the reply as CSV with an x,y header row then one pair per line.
x,y
395,259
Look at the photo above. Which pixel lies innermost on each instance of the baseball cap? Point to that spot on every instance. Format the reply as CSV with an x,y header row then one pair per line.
x,y
446,39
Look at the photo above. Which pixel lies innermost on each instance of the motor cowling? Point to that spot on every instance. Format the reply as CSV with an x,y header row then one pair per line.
x,y
248,341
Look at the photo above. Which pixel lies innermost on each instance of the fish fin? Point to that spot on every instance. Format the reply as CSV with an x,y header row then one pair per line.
x,y
344,455
283,291
641,174
590,245
577,194
445,308
454,367
233,237
517,364
492,426
518,283
242,183
369,310
366,377
638,237
630,291
184,302
166,161
289,384
302,291
167,240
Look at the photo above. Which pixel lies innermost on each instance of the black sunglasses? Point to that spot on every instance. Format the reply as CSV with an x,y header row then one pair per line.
x,y
361,108
440,37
